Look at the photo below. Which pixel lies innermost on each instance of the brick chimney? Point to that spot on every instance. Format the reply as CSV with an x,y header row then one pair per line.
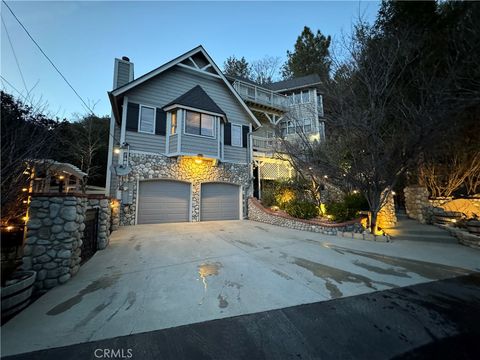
x,y
123,72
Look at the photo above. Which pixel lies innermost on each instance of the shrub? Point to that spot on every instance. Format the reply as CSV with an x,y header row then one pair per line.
x,y
347,209
338,211
356,202
301,209
268,197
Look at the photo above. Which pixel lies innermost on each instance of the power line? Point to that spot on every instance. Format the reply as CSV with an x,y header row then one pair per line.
x,y
15,56
49,60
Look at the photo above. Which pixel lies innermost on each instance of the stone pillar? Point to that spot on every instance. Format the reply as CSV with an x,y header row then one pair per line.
x,y
416,203
104,211
54,237
115,214
386,217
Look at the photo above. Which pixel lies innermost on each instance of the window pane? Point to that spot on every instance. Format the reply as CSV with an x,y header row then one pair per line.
x,y
306,96
192,125
236,135
298,98
173,128
207,125
147,119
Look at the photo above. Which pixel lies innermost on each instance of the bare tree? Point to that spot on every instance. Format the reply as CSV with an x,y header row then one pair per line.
x,y
25,136
376,128
265,70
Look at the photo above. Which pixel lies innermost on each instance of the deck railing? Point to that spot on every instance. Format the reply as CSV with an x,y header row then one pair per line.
x,y
260,95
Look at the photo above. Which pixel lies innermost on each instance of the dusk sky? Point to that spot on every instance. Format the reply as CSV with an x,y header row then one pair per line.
x,y
83,38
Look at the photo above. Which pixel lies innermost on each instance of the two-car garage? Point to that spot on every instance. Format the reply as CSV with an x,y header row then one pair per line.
x,y
165,201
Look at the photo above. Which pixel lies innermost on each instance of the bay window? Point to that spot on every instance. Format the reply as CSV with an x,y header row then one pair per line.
x,y
200,124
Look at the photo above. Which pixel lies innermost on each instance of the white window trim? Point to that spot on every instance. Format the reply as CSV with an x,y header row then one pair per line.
x,y
241,135
154,118
215,120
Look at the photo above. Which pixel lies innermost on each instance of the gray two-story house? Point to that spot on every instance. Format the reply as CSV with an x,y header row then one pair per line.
x,y
180,144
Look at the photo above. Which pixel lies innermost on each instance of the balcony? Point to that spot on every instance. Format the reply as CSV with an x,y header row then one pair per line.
x,y
266,144
260,96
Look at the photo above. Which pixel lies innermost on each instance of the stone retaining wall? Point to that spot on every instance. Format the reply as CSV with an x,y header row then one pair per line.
x,y
55,235
351,229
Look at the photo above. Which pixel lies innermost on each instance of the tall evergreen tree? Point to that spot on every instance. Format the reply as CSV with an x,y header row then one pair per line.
x,y
237,67
311,55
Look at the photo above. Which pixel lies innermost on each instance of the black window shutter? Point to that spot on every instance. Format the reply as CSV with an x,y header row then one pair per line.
x,y
227,134
245,130
161,122
132,117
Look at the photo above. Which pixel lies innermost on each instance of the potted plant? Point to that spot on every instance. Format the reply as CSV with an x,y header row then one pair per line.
x,y
16,286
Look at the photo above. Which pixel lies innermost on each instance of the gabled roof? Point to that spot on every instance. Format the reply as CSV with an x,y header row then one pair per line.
x,y
197,98
199,49
295,83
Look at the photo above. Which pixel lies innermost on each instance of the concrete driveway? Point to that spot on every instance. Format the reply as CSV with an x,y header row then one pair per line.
x,y
159,276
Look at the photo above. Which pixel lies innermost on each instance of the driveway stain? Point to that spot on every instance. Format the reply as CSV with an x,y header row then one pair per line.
x,y
222,301
423,268
99,284
282,274
379,270
138,247
246,243
131,298
94,312
205,270
328,274
261,228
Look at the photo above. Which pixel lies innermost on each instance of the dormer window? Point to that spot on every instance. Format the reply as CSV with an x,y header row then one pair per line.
x,y
200,124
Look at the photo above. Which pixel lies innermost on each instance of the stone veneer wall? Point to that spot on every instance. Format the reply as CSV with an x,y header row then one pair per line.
x,y
150,167
351,229
386,217
55,232
417,205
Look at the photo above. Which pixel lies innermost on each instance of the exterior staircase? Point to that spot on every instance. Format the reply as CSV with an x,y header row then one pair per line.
x,y
412,230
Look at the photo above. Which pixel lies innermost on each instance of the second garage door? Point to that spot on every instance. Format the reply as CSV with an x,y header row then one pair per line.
x,y
163,201
220,201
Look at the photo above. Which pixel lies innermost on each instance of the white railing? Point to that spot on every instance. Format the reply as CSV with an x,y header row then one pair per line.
x,y
260,95
263,143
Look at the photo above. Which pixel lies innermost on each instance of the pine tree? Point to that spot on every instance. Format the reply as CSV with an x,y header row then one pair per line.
x,y
311,55
237,67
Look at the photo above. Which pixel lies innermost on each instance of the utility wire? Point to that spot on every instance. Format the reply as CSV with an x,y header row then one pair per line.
x,y
15,56
58,71
49,60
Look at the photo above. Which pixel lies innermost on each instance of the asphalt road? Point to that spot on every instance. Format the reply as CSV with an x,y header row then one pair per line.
x,y
435,320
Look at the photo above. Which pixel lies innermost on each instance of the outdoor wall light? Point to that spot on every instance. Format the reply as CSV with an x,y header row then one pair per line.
x,y
24,189
116,150
61,177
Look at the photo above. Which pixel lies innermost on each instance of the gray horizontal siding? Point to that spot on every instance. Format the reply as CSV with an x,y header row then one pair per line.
x,y
123,74
234,154
169,85
199,145
172,145
145,142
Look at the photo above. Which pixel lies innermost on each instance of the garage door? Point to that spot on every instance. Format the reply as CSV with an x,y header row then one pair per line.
x,y
163,201
219,202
